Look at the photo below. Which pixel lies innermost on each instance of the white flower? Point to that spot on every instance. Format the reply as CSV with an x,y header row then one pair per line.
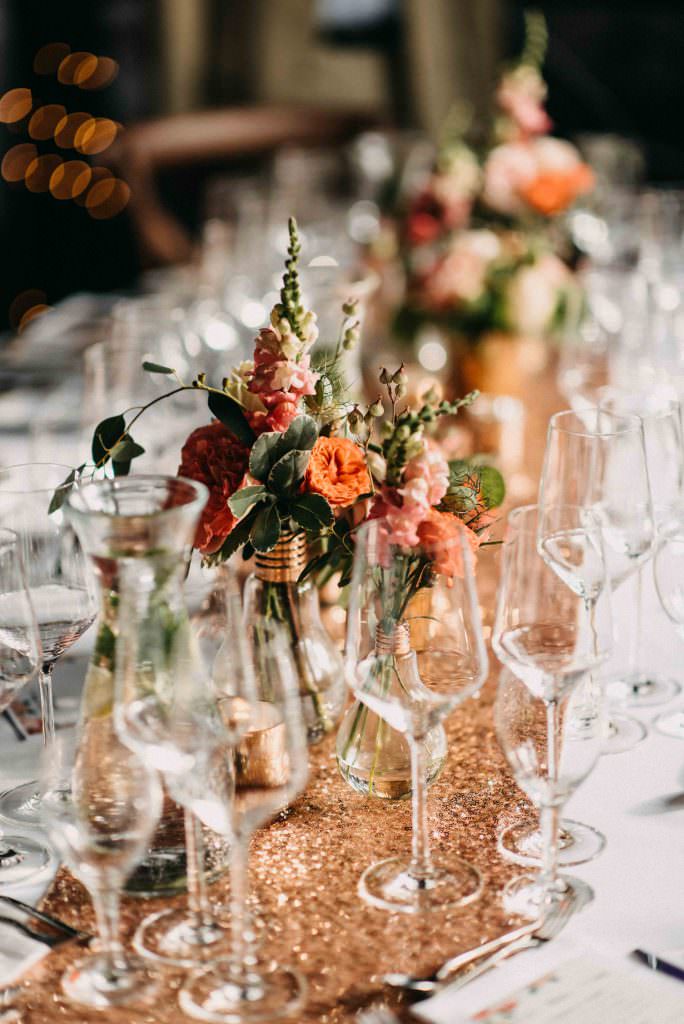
x,y
532,298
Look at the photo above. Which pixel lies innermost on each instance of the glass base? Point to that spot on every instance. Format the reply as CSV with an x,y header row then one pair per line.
x,y
213,996
526,898
390,885
622,733
20,857
21,805
578,844
170,937
671,724
644,690
90,982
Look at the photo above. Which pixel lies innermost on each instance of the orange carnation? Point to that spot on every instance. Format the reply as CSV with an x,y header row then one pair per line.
x,y
552,192
337,470
439,536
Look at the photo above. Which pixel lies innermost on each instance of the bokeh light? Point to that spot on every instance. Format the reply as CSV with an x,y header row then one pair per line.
x,y
101,76
95,135
107,198
16,161
65,132
70,179
49,57
80,64
23,302
40,170
15,104
44,121
98,174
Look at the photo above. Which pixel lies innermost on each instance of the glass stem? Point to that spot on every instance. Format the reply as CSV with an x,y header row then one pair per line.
x,y
550,814
106,903
421,861
635,645
47,708
198,903
238,908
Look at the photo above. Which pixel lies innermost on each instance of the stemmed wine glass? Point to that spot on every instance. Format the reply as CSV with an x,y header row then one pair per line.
x,y
668,568
60,584
20,655
258,689
413,654
595,460
100,805
550,637
662,424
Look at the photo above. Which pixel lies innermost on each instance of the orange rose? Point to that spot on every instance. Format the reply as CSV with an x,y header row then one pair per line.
x,y
337,470
215,457
552,192
439,538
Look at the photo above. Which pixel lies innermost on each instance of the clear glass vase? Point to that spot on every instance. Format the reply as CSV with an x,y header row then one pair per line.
x,y
150,521
272,592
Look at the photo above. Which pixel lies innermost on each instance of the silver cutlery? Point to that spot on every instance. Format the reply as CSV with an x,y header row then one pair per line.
x,y
491,953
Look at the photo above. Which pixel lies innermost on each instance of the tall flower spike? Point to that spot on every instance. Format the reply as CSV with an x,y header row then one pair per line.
x,y
290,293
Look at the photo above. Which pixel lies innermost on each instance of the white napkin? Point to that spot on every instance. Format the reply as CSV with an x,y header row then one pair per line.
x,y
17,953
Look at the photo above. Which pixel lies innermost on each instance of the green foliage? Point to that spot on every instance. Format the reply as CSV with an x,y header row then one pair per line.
x,y
473,483
246,498
312,512
227,410
106,435
265,532
270,448
287,473
157,367
63,491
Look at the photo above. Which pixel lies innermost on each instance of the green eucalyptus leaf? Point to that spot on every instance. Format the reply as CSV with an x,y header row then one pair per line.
x,y
265,532
126,450
62,492
121,468
312,512
287,472
227,410
246,498
237,536
105,436
157,367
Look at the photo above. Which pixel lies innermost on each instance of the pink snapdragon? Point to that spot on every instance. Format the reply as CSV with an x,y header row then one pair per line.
x,y
281,373
432,468
521,96
404,509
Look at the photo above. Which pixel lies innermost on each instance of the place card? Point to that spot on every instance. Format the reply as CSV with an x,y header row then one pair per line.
x,y
587,991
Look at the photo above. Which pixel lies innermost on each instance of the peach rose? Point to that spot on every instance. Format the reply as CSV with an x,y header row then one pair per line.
x,y
337,470
439,537
215,457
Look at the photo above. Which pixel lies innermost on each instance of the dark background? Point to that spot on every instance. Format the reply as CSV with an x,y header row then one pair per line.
x,y
611,66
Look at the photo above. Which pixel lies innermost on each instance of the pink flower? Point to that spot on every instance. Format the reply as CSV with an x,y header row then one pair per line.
x,y
402,512
459,276
521,95
431,467
508,170
273,373
281,410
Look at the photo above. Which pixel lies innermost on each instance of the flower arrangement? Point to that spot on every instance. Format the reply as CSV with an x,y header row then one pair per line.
x,y
285,452
476,237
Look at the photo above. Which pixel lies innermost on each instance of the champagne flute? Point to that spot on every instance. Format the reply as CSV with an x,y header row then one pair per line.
x,y
100,806
550,636
668,568
259,700
20,654
596,461
661,419
60,584
414,652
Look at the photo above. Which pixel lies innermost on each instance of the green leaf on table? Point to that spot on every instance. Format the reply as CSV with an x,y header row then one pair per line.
x,y
312,512
227,410
287,472
246,498
105,436
265,533
157,367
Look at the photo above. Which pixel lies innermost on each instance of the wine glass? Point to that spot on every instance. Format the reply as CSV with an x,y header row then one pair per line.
x,y
551,637
20,655
668,568
100,806
258,691
662,425
595,461
60,583
414,652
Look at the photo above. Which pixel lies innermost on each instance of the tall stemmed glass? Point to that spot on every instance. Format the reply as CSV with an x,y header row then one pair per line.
x,y
100,806
661,419
550,637
414,652
668,568
596,461
258,698
60,584
20,655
